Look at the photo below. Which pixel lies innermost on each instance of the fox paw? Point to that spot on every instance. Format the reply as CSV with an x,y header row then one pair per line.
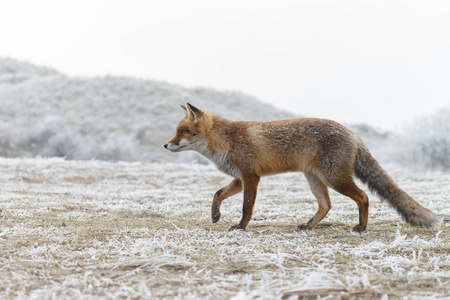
x,y
236,227
359,228
215,216
303,227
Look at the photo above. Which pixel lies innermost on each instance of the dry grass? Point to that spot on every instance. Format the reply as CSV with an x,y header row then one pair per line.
x,y
101,230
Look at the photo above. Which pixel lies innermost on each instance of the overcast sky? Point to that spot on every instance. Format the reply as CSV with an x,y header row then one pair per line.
x,y
379,62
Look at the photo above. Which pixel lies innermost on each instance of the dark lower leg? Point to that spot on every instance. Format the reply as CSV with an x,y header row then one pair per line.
x,y
250,189
229,190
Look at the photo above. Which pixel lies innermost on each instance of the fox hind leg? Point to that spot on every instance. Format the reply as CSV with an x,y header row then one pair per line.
x,y
320,191
347,187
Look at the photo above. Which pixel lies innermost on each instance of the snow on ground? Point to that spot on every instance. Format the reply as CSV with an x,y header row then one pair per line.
x,y
99,230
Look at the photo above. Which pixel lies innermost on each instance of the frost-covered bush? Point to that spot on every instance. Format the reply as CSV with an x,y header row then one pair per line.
x,y
425,144
53,139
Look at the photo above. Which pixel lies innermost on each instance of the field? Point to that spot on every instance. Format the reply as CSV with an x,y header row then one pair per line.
x,y
97,230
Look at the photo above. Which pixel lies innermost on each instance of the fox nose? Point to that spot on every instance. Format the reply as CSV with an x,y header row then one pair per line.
x,y
165,146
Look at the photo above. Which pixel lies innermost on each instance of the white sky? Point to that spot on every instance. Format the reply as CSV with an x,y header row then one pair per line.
x,y
379,62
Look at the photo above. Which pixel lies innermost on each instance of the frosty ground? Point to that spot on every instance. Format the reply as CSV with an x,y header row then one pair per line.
x,y
72,229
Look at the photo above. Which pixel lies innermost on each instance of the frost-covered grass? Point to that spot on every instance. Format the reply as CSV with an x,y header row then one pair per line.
x,y
72,229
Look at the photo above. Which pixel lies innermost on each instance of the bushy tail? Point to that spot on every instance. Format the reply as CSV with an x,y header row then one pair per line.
x,y
370,172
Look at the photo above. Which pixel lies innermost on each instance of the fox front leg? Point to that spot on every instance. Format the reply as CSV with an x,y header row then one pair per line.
x,y
250,189
234,187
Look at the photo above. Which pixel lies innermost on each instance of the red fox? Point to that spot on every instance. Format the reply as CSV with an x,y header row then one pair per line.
x,y
327,153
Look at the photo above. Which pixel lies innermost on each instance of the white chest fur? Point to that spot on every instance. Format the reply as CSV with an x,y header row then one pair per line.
x,y
220,159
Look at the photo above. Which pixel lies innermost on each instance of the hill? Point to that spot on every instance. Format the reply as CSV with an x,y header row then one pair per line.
x,y
46,113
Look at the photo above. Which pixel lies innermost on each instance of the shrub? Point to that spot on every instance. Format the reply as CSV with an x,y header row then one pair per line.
x,y
425,144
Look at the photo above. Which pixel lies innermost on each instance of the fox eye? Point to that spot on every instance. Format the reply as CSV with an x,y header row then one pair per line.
x,y
182,131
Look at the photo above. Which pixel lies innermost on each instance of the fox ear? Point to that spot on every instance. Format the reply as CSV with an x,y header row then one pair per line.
x,y
185,110
194,114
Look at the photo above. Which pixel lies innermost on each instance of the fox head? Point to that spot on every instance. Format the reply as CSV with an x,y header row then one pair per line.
x,y
190,134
